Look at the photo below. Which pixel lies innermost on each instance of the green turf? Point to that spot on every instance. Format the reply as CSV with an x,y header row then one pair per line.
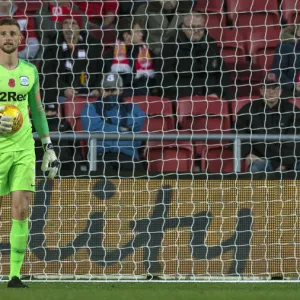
x,y
153,291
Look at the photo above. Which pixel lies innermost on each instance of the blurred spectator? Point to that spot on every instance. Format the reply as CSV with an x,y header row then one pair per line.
x,y
69,157
103,13
72,66
162,19
132,59
270,115
191,63
30,45
297,86
110,114
286,63
48,19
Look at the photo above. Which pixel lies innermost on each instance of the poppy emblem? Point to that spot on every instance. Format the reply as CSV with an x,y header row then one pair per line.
x,y
11,82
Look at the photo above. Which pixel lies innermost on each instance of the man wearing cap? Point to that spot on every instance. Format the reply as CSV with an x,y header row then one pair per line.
x,y
111,114
72,66
270,115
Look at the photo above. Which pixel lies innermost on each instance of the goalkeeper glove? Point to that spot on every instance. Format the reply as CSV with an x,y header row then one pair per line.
x,y
6,122
50,162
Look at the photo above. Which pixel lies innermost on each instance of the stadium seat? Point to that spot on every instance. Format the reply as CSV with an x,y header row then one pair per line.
x,y
203,115
72,109
169,156
238,103
232,47
216,159
289,10
260,43
244,13
296,101
29,6
159,112
214,12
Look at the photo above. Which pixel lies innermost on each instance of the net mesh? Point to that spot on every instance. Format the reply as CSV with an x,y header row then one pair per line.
x,y
182,208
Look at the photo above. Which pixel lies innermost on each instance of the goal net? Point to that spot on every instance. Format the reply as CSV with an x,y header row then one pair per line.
x,y
159,185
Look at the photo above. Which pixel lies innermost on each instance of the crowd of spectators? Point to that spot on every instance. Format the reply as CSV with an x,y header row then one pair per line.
x,y
161,48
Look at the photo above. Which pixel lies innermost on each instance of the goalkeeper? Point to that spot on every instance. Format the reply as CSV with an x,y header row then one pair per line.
x,y
19,86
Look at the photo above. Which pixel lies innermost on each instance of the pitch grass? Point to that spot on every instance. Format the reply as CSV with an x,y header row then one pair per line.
x,y
153,291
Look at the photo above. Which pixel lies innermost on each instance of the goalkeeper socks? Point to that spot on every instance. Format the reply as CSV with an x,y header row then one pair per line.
x,y
18,246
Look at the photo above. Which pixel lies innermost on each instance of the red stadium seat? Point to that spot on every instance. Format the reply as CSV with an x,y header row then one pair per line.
x,y
216,159
210,6
296,101
159,112
214,12
29,6
260,43
243,13
169,156
238,103
203,115
232,47
290,11
73,108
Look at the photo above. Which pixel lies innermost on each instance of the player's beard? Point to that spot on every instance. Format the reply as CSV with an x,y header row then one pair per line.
x,y
10,50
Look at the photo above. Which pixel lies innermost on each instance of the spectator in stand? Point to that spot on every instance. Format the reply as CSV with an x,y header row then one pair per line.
x,y
102,13
191,63
286,63
270,115
297,86
70,158
72,66
161,19
111,114
132,59
49,19
30,45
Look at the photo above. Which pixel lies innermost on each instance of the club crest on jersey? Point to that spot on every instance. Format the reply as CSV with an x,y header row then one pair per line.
x,y
11,82
24,80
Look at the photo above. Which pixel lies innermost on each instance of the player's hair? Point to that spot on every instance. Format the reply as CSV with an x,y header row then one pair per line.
x,y
9,21
126,24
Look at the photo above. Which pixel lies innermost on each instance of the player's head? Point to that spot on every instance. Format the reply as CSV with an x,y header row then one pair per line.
x,y
194,26
129,31
10,35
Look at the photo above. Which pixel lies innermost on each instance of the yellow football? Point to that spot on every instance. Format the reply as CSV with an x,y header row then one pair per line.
x,y
15,113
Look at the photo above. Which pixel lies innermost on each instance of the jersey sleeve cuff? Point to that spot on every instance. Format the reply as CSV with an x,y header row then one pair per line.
x,y
46,140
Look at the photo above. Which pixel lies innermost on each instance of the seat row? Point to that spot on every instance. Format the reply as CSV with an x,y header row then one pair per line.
x,y
196,115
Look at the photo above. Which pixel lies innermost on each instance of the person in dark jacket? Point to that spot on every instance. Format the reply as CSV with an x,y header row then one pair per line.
x,y
191,63
72,66
270,115
132,59
110,114
161,19
286,62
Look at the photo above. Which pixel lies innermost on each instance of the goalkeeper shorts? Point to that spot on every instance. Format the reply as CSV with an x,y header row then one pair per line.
x,y
17,171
